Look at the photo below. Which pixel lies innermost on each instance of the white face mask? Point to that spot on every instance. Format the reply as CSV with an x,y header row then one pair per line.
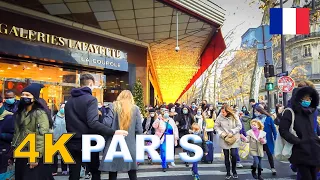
x,y
173,110
152,115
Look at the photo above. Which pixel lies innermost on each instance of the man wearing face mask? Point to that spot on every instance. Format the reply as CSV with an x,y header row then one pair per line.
x,y
6,135
147,127
185,121
194,108
81,113
10,104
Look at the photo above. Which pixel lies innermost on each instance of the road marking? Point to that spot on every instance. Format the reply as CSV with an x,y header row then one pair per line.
x,y
182,173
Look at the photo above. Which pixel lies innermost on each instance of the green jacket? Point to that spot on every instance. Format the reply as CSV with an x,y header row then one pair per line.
x,y
38,123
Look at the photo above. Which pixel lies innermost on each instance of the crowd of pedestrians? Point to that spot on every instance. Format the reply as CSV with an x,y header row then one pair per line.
x,y
228,127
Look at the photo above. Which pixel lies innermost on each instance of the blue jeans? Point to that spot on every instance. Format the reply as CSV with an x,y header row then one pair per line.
x,y
257,162
237,155
195,168
163,154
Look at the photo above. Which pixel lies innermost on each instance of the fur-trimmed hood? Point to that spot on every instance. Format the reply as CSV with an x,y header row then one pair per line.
x,y
298,95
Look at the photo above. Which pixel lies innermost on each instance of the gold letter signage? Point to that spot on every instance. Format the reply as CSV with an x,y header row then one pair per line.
x,y
31,35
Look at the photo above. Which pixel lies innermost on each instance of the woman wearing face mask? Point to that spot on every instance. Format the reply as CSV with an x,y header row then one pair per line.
x,y
271,136
165,126
32,117
244,109
228,126
147,127
185,121
306,147
59,128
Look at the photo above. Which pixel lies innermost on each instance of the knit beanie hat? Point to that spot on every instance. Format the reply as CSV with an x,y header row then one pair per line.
x,y
34,89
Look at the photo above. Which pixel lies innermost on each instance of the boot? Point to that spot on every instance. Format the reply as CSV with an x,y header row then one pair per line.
x,y
253,172
259,174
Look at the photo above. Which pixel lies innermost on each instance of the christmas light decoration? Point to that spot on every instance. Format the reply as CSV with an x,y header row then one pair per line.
x,y
175,69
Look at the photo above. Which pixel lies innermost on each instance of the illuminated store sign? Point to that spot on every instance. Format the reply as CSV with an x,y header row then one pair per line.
x,y
35,36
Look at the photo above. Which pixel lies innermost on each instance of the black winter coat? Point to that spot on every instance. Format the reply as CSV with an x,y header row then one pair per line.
x,y
81,113
306,147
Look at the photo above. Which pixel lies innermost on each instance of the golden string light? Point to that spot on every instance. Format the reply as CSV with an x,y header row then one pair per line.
x,y
175,70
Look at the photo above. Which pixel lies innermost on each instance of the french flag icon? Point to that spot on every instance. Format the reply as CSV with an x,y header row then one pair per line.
x,y
289,21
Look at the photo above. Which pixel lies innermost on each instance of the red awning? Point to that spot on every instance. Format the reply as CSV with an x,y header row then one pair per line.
x,y
214,48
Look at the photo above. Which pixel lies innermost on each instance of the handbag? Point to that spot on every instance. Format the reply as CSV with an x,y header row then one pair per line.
x,y
283,149
244,150
229,140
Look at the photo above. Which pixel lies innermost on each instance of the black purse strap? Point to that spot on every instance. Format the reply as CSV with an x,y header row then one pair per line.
x,y
167,123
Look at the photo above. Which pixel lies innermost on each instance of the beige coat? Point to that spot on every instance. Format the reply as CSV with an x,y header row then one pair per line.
x,y
256,147
227,125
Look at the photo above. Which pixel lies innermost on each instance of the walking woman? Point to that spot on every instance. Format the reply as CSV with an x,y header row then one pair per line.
x,y
228,127
271,136
165,126
32,117
306,146
184,123
147,127
59,128
126,117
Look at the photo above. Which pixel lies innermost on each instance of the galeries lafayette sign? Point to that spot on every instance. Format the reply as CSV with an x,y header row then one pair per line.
x,y
35,36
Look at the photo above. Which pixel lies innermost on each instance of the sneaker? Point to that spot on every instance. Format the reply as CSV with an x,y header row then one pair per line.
x,y
164,169
196,177
239,165
173,164
187,164
88,176
54,174
274,172
235,176
228,176
64,173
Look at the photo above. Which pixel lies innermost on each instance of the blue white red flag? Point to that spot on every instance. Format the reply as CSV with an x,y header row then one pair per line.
x,y
289,21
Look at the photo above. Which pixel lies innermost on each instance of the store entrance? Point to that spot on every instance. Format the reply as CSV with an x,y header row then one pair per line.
x,y
53,93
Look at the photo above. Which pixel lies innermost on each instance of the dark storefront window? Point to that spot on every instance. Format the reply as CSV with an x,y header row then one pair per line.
x,y
115,83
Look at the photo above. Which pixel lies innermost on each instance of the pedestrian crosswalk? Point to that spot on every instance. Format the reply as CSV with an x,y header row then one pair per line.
x,y
217,168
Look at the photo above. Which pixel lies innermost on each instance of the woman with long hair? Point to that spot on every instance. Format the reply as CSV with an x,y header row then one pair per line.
x,y
228,127
126,117
32,117
270,129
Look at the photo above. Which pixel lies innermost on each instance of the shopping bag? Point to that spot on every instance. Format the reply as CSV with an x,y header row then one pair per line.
x,y
283,149
209,123
244,150
9,175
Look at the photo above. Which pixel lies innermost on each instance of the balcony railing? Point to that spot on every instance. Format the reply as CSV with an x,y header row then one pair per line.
x,y
302,37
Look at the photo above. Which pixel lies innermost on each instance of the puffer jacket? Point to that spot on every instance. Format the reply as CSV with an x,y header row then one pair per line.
x,y
35,122
306,147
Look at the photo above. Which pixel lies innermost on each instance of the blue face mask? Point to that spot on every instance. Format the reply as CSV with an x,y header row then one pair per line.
x,y
10,101
305,103
257,114
185,111
199,113
61,111
166,115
